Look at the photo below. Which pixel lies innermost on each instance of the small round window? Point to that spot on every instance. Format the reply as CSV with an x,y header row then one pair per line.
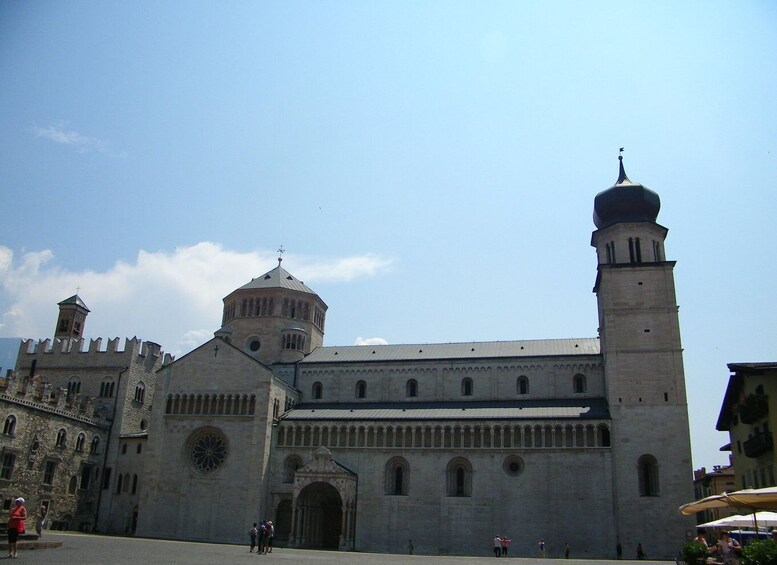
x,y
255,345
207,450
513,466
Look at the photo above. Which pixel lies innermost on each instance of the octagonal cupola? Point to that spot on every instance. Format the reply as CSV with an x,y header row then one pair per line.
x,y
275,317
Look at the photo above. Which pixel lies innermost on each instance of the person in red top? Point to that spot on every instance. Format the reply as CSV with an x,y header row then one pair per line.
x,y
505,545
16,526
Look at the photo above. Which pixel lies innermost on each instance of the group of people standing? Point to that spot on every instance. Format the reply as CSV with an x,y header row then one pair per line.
x,y
502,545
261,537
727,549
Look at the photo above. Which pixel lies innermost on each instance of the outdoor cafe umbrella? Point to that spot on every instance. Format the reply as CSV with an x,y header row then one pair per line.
x,y
763,519
754,499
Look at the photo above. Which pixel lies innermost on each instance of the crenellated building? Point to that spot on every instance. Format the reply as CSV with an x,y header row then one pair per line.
x,y
69,411
365,448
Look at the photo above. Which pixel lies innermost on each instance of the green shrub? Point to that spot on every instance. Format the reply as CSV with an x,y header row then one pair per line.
x,y
761,552
694,552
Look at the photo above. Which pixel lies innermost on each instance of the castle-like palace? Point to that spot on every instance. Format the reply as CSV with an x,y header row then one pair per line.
x,y
582,441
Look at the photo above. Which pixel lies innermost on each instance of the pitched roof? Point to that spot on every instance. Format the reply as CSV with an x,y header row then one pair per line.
x,y
277,278
75,299
579,409
467,350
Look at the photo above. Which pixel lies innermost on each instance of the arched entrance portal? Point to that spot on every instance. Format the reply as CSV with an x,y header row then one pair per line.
x,y
322,516
323,504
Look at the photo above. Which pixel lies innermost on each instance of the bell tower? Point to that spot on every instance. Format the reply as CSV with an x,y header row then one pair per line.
x,y
71,319
639,332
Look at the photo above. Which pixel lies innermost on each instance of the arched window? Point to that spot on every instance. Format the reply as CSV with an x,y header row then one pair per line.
x,y
73,387
604,436
466,386
106,388
411,388
317,391
396,476
290,466
647,471
522,385
61,438
71,489
95,448
139,448
9,428
80,440
578,383
361,389
140,392
118,484
459,477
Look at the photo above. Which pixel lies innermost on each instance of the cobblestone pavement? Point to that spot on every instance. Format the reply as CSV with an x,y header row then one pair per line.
x,y
87,549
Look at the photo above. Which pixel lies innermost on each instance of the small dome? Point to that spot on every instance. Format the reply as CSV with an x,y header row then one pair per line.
x,y
625,201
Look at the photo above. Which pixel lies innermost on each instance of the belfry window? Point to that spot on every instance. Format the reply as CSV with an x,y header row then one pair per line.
x,y
140,392
635,251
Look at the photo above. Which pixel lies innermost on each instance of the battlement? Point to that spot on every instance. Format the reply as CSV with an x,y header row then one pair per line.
x,y
34,392
51,350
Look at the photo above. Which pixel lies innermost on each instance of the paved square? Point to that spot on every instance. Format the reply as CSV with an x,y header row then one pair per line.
x,y
87,549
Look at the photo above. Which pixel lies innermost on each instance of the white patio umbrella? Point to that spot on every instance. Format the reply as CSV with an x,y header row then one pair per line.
x,y
754,499
763,519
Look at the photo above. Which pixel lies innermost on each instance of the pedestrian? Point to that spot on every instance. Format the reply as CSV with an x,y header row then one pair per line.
x,y
261,537
619,550
410,547
497,546
16,520
640,551
728,549
40,519
566,550
541,545
270,537
505,545
252,533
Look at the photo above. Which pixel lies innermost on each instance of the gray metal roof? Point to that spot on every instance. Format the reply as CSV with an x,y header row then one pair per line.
x,y
469,350
277,278
75,299
585,408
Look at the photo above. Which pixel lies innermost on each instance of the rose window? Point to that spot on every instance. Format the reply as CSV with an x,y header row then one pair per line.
x,y
208,451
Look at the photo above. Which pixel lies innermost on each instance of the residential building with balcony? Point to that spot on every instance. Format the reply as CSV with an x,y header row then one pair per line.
x,y
749,414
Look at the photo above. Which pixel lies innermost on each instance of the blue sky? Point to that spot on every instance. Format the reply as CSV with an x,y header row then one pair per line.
x,y
429,167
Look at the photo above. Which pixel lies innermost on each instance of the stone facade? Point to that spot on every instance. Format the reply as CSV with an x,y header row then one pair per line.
x,y
582,441
75,402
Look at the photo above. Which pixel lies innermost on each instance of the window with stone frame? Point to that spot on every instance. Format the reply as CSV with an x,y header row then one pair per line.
x,y
9,429
49,468
361,389
94,449
466,386
140,392
579,384
647,475
411,388
80,440
61,438
522,385
459,477
290,466
6,471
396,476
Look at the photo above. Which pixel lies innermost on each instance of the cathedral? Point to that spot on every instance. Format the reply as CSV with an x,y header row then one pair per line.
x,y
439,447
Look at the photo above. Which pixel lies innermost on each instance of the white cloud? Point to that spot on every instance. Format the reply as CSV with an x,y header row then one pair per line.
x,y
172,298
82,143
370,341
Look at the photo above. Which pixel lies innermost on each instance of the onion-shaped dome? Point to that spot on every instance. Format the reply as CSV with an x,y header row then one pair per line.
x,y
625,201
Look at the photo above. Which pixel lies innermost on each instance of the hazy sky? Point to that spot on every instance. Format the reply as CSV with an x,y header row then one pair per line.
x,y
429,167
